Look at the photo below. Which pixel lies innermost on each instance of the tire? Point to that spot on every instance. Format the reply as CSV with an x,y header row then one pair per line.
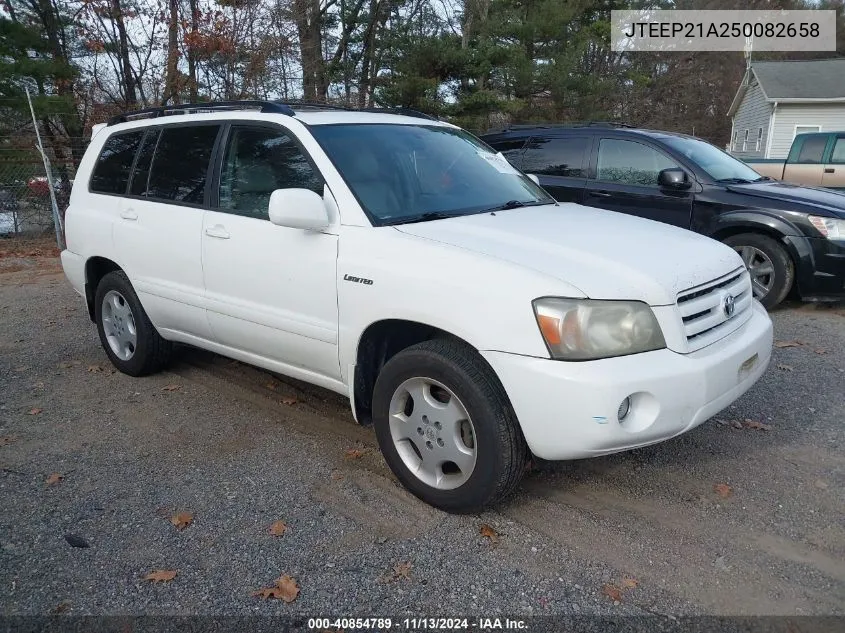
x,y
754,249
149,352
499,448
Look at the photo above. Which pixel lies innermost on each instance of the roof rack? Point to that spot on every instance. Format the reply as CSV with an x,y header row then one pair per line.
x,y
274,107
401,111
529,126
212,106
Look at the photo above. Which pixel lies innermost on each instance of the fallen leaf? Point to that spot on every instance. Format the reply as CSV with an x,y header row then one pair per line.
x,y
7,439
289,401
723,490
35,411
182,520
76,541
630,583
402,570
488,532
337,475
95,369
821,350
54,478
278,528
271,385
613,592
355,453
171,388
161,575
757,426
782,344
63,606
783,367
285,589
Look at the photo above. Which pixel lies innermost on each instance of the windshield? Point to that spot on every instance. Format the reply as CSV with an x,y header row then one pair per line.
x,y
720,165
405,173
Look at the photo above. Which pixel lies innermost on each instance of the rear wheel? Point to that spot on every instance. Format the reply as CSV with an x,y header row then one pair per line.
x,y
446,427
769,265
129,338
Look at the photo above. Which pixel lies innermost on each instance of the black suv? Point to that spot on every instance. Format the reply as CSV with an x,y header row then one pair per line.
x,y
788,236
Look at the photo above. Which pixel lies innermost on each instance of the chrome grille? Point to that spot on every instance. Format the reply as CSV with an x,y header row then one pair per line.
x,y
704,311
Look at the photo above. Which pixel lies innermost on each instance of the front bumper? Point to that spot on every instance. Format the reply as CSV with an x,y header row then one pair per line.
x,y
569,410
821,274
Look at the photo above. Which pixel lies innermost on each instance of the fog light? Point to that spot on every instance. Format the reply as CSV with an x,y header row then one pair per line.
x,y
623,409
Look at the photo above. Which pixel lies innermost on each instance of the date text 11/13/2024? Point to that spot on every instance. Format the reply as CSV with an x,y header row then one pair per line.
x,y
418,624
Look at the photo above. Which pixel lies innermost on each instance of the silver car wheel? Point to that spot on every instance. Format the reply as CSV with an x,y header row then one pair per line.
x,y
760,268
119,325
432,433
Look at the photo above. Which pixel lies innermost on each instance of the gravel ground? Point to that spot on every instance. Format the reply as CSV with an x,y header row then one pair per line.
x,y
642,532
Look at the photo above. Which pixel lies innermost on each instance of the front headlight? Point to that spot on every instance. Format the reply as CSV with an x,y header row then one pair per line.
x,y
831,228
586,329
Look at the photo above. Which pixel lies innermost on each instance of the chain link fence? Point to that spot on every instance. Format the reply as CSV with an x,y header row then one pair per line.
x,y
25,206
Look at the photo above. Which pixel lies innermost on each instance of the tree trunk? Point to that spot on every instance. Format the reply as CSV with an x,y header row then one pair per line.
x,y
123,46
192,58
171,78
306,14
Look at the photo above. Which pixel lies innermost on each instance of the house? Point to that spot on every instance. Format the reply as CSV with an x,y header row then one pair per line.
x,y
778,100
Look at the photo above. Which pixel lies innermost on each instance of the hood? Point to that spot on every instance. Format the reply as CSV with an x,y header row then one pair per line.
x,y
826,199
604,254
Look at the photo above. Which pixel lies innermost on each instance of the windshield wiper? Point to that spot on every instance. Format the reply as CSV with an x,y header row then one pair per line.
x,y
762,178
735,181
515,204
423,217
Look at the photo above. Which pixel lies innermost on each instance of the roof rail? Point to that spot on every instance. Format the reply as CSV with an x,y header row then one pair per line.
x,y
568,124
315,105
212,106
401,111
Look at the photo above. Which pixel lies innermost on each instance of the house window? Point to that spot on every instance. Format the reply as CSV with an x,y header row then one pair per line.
x,y
745,142
759,140
806,129
736,140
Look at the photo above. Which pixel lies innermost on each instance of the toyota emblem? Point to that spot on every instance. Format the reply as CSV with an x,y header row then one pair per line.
x,y
729,306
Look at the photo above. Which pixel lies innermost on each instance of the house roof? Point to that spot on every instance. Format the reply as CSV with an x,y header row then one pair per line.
x,y
796,81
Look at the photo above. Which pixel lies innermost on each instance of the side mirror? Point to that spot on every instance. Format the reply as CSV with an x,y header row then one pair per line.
x,y
673,178
298,209
534,178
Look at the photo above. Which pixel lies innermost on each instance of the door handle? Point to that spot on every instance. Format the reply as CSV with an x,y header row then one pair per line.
x,y
829,170
218,231
129,214
600,194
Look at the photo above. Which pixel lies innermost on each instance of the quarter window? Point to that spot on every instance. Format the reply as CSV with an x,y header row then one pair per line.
x,y
556,156
180,166
141,173
838,155
630,162
257,162
111,173
812,150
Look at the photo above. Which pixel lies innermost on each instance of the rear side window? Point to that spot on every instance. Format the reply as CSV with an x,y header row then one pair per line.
x,y
111,173
556,156
838,155
630,162
180,166
141,174
257,162
812,150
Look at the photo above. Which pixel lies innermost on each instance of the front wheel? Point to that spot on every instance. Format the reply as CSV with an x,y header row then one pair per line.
x,y
769,265
446,427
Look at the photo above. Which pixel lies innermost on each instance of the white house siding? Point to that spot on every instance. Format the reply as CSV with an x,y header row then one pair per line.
x,y
752,114
829,116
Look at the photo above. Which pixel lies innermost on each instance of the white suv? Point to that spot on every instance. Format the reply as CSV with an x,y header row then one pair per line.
x,y
399,261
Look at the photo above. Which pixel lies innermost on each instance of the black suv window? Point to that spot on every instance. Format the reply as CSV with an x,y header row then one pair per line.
x,y
630,162
180,165
141,173
257,162
511,149
812,150
111,173
556,156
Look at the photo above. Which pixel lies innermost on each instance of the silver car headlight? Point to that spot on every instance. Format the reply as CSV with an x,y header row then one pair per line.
x,y
587,329
831,228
